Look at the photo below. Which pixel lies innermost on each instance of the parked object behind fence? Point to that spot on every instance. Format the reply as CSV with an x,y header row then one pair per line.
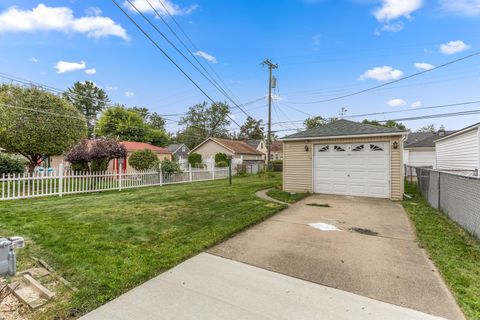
x,y
8,259
458,196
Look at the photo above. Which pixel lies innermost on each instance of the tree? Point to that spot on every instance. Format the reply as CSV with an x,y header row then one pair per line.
x,y
194,159
427,128
94,155
252,129
314,122
10,164
153,120
89,99
143,159
38,124
202,122
121,123
169,166
387,124
158,137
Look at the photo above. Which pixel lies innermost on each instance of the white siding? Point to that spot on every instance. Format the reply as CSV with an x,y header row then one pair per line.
x,y
405,156
421,158
459,152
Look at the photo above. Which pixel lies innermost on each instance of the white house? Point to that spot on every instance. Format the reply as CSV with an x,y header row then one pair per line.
x,y
419,148
459,151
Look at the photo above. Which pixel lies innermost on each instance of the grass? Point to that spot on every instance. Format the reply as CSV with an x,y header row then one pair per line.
x,y
107,243
455,252
278,194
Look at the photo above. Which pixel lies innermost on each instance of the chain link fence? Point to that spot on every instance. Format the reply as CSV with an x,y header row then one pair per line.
x,y
458,196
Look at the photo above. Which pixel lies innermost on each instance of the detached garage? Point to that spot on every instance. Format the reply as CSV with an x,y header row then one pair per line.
x,y
345,158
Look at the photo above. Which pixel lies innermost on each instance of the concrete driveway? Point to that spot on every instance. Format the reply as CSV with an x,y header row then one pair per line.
x,y
374,253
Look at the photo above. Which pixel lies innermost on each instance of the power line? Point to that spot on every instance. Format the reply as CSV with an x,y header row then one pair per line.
x,y
169,58
439,115
391,82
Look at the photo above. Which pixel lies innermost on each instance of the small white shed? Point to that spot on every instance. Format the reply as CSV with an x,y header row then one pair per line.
x,y
459,151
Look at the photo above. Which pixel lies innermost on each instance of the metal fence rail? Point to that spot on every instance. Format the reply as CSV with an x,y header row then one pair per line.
x,y
458,196
60,182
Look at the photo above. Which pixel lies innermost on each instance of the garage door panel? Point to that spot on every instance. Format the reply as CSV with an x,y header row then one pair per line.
x,y
359,173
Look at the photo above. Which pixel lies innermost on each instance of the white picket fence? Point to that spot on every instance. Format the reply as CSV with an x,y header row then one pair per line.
x,y
61,182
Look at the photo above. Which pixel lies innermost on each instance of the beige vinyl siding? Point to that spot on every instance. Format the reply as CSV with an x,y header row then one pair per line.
x,y
460,152
297,163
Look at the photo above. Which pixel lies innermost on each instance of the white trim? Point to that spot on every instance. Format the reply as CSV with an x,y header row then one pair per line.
x,y
346,136
473,126
420,148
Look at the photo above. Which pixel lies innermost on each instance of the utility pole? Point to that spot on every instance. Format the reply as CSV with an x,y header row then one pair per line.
x,y
271,66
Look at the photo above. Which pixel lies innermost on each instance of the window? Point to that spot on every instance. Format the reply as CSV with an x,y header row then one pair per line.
x,y
374,147
360,147
338,148
183,149
324,149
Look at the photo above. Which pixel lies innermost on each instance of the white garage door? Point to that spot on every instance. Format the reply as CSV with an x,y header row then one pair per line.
x,y
359,169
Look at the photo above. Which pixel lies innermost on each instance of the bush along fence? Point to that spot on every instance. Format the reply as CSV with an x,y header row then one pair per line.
x,y
458,196
61,182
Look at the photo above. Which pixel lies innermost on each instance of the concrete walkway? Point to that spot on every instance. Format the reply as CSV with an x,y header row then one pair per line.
x,y
263,194
211,287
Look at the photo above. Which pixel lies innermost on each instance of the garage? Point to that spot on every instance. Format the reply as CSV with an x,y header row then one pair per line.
x,y
346,158
359,169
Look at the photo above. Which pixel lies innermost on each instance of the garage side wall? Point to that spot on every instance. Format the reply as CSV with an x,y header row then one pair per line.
x,y
298,163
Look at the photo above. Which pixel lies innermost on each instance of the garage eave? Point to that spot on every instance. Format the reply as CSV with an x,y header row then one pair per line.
x,y
396,134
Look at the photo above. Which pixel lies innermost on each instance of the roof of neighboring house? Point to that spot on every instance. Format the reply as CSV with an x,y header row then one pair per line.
x,y
253,142
473,126
235,146
344,127
423,139
175,147
132,146
277,146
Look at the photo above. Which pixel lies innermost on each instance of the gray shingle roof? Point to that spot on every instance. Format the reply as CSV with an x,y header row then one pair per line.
x,y
423,139
343,128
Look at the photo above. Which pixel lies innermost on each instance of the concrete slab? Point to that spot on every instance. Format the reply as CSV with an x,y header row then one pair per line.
x,y
211,287
389,266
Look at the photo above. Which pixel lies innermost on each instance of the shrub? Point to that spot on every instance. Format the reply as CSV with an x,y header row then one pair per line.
x,y
194,159
9,164
241,170
94,155
221,157
222,164
169,166
143,159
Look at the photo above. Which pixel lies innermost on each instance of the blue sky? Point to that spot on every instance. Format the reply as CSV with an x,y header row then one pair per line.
x,y
324,48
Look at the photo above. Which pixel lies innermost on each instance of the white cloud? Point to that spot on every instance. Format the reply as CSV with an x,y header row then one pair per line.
x,y
395,27
64,66
384,73
423,66
416,104
43,18
206,56
111,88
33,59
454,47
396,103
129,94
463,7
173,9
394,9
93,11
91,71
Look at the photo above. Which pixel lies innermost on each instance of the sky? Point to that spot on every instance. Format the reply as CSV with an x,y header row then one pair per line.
x,y
324,49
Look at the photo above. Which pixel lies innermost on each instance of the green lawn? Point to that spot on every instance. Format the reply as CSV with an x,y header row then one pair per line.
x,y
455,252
278,194
107,243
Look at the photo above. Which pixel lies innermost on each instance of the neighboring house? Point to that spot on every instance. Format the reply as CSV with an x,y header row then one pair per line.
x,y
459,151
346,158
237,149
257,144
419,148
179,151
114,165
276,150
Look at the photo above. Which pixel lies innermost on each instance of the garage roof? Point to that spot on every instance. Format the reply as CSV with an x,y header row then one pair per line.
x,y
343,128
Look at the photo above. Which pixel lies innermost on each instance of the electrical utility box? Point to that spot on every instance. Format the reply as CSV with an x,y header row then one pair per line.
x,y
8,258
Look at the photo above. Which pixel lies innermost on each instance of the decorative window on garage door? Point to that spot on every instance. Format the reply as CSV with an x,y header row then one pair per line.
x,y
376,147
324,148
357,148
337,148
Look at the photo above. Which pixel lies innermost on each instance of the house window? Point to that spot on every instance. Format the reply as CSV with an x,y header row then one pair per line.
x,y
374,147
183,149
324,149
360,147
338,148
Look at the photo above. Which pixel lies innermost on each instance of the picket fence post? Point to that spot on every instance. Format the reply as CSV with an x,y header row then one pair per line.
x,y
190,172
160,173
60,180
213,173
120,167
